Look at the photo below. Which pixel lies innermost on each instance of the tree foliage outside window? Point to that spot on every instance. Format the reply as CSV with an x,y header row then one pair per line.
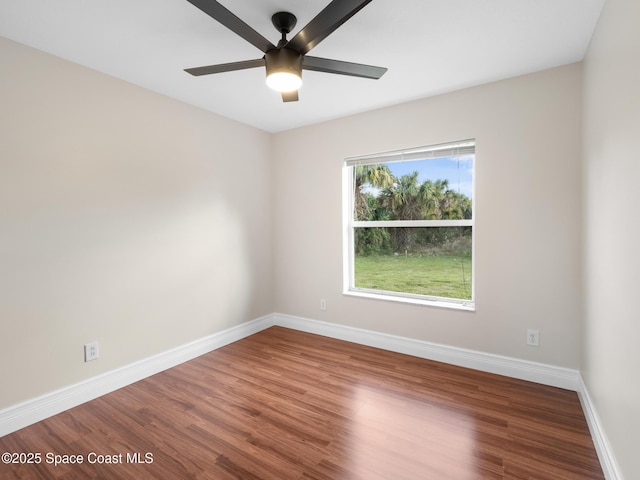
x,y
410,224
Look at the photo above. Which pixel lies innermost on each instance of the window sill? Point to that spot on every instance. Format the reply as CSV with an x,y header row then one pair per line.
x,y
467,306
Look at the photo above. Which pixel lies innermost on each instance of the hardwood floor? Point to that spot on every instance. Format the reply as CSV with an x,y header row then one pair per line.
x,y
283,404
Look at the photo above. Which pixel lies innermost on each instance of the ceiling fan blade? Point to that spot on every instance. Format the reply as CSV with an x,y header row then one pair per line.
x,y
290,96
326,22
327,65
225,67
233,23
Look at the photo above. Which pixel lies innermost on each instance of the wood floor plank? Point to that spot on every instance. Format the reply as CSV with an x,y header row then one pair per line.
x,y
287,405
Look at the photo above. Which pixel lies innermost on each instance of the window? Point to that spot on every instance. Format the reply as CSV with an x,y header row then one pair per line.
x,y
409,225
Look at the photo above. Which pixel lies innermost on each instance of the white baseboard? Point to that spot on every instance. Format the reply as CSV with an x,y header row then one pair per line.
x,y
32,411
603,448
511,367
35,410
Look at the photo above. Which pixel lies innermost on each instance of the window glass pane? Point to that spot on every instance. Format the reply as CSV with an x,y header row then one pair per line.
x,y
432,261
434,189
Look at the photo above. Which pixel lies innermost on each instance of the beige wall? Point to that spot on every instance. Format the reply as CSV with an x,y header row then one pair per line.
x,y
125,217
611,355
528,215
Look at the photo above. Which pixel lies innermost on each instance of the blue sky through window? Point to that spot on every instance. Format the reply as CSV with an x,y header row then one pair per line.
x,y
457,170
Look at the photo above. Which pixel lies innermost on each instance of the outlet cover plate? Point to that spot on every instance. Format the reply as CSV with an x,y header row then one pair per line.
x,y
533,338
91,351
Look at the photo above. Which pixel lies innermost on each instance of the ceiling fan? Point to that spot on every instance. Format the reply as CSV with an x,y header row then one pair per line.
x,y
284,62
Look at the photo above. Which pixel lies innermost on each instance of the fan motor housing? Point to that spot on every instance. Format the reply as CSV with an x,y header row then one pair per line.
x,y
283,60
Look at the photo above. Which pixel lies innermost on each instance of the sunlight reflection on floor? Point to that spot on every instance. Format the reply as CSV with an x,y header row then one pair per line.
x,y
425,436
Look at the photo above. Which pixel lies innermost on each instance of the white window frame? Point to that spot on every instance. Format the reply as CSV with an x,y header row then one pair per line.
x,y
350,224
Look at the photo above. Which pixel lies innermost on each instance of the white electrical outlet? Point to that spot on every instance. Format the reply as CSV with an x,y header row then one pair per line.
x,y
533,338
91,351
323,304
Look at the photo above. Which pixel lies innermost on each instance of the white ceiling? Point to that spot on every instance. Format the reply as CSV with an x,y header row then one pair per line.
x,y
429,47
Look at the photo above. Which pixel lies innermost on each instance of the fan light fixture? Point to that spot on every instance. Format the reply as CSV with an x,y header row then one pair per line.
x,y
284,70
285,61
284,81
